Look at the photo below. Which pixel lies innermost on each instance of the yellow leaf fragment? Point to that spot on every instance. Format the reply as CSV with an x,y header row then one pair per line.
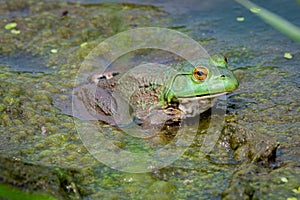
x,y
83,44
10,25
53,50
287,55
240,19
255,10
16,32
283,179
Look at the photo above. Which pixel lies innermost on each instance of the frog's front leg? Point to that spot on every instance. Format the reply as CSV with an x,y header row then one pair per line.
x,y
160,116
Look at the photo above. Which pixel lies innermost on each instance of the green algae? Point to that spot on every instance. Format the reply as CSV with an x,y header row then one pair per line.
x,y
31,127
35,181
263,183
11,193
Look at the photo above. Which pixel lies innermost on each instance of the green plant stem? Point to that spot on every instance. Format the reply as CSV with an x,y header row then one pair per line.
x,y
274,20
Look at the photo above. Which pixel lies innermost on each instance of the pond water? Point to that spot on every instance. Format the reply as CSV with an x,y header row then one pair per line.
x,y
257,154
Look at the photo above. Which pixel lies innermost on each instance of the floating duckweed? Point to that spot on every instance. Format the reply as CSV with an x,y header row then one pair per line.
x,y
10,25
46,153
86,159
54,51
12,129
71,157
71,147
21,136
47,85
40,97
39,146
291,198
30,131
53,140
9,192
255,10
2,107
28,151
83,44
283,179
52,128
69,125
16,32
18,122
8,100
63,138
5,120
15,91
297,191
68,84
240,19
287,55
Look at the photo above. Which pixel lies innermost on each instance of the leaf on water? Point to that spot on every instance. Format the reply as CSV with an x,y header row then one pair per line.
x,y
53,50
287,55
83,44
240,19
296,191
16,32
10,25
255,10
285,180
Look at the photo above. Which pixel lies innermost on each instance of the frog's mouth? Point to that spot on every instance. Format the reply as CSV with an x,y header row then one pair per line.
x,y
209,96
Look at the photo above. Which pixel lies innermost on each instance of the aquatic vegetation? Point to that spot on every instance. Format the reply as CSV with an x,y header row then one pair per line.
x,y
12,193
10,25
274,20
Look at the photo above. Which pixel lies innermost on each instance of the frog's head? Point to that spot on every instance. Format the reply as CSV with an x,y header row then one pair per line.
x,y
204,80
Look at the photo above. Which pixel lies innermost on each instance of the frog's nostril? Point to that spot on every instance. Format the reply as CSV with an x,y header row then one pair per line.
x,y
222,76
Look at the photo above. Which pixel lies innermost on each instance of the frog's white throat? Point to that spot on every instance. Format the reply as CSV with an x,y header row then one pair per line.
x,y
193,106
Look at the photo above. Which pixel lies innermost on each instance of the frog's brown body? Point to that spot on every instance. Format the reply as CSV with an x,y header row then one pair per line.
x,y
154,93
140,91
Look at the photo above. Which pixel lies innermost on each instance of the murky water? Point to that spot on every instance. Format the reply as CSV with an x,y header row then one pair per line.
x,y
38,67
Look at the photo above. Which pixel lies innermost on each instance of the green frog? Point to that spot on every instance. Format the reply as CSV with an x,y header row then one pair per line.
x,y
154,93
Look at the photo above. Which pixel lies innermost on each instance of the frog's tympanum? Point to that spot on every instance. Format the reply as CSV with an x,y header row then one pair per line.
x,y
154,93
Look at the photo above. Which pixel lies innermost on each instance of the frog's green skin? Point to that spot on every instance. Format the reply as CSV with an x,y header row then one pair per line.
x,y
159,93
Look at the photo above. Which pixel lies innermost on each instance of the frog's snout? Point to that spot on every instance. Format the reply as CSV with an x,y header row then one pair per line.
x,y
230,81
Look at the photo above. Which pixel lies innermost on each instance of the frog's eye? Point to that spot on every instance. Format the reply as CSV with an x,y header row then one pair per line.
x,y
200,73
